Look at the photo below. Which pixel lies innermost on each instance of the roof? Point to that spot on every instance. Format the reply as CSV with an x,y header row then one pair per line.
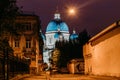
x,y
57,24
106,30
54,25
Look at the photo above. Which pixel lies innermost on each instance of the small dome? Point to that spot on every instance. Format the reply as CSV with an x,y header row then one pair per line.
x,y
73,35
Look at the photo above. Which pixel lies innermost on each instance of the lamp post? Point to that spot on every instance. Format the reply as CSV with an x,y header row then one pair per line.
x,y
6,63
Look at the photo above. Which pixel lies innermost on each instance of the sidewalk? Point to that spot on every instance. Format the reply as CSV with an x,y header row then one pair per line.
x,y
105,77
81,77
20,76
64,77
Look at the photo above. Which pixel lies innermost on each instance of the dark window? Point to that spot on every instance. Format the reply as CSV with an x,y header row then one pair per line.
x,y
39,61
33,59
50,40
18,26
28,43
27,26
22,26
17,43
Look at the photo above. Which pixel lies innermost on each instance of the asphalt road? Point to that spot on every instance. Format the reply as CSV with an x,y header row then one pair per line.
x,y
69,77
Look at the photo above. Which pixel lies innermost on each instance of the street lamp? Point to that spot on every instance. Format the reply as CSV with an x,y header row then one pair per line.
x,y
6,63
71,11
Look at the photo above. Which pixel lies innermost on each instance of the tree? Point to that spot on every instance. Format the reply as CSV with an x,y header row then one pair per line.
x,y
71,49
83,37
4,44
8,13
55,57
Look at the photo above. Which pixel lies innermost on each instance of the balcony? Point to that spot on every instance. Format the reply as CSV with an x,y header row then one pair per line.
x,y
30,51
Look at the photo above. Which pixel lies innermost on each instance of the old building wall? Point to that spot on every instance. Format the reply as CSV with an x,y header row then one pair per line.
x,y
106,55
26,42
87,50
104,52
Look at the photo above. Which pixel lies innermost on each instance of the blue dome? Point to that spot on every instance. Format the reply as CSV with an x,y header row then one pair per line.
x,y
54,25
73,36
63,26
57,35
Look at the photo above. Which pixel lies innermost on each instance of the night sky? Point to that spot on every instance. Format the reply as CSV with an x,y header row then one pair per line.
x,y
93,15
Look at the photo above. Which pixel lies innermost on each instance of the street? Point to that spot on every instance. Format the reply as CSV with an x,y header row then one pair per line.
x,y
68,77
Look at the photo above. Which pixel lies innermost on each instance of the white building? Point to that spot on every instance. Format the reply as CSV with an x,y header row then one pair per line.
x,y
102,52
57,30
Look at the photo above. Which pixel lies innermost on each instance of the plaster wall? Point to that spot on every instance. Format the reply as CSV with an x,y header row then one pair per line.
x,y
104,53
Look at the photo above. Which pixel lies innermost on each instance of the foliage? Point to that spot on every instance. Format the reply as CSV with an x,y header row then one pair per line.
x,y
8,9
55,57
5,45
83,37
71,49
8,12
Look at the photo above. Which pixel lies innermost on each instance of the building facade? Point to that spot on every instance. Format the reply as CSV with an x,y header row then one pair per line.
x,y
57,30
101,52
26,41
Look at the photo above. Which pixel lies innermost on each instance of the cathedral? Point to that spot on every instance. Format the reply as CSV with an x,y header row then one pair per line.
x,y
57,30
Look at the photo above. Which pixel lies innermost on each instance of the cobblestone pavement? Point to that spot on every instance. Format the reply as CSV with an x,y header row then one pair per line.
x,y
69,77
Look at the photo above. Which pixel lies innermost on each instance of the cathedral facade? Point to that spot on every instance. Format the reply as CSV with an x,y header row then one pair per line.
x,y
57,30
